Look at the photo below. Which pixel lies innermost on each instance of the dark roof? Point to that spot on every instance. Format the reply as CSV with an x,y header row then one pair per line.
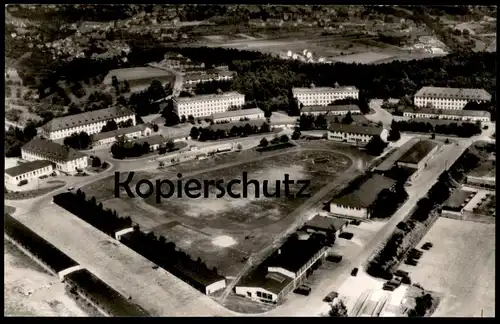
x,y
27,167
86,118
119,132
151,140
449,112
417,152
355,129
454,93
52,151
388,163
458,198
201,276
228,126
273,282
236,113
308,109
324,223
295,253
54,258
435,122
108,298
367,192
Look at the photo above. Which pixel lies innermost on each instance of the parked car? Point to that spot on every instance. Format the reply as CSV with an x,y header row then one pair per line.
x,y
355,222
427,246
346,235
410,261
330,297
22,182
388,287
71,188
303,290
354,272
485,127
155,267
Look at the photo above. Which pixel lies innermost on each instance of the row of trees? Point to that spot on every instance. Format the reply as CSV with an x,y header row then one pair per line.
x,y
94,213
459,129
282,139
388,201
125,149
15,138
383,261
78,141
208,134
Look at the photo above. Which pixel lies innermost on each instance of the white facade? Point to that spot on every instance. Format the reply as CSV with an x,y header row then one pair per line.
x,y
89,122
111,139
14,180
447,116
254,292
206,105
216,286
359,212
65,166
449,98
355,138
339,112
190,80
237,115
323,96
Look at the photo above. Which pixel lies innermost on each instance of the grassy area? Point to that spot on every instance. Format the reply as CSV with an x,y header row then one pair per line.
x,y
21,195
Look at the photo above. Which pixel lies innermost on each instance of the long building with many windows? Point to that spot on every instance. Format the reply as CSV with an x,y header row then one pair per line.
x,y
191,79
331,110
28,171
450,114
206,105
90,122
322,96
65,158
355,134
449,98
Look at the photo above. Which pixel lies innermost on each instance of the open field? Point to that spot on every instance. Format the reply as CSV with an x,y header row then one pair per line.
x,y
362,58
460,265
30,291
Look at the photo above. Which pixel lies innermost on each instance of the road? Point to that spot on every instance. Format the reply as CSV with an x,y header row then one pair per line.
x,y
179,78
380,114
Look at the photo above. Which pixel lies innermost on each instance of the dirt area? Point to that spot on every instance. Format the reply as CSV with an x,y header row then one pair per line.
x,y
487,164
20,195
362,58
30,291
460,265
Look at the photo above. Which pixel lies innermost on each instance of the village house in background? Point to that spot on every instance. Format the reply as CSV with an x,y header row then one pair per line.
x,y
90,122
65,158
449,98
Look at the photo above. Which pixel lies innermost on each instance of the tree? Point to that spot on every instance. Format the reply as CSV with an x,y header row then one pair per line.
x,y
77,141
155,128
284,139
321,122
264,128
433,136
96,162
191,118
194,133
347,118
115,83
126,86
375,146
263,142
183,119
110,126
338,310
170,145
296,134
394,134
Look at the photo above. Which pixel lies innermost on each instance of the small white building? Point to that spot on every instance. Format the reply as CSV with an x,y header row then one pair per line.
x,y
449,114
206,105
65,158
418,155
191,79
449,98
324,95
154,141
28,171
238,115
90,122
128,132
357,202
355,134
331,110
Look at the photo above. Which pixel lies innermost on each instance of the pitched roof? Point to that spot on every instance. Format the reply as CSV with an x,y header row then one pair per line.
x,y
197,75
454,93
449,112
208,97
355,129
228,126
151,140
27,167
308,109
388,163
417,152
324,89
323,222
295,253
236,113
119,132
86,118
367,192
52,151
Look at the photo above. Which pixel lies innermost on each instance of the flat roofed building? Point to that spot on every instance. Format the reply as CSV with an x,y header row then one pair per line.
x,y
191,79
418,155
90,122
323,224
28,171
356,134
449,98
65,158
287,269
154,141
357,202
449,114
323,95
238,115
206,105
331,110
128,132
